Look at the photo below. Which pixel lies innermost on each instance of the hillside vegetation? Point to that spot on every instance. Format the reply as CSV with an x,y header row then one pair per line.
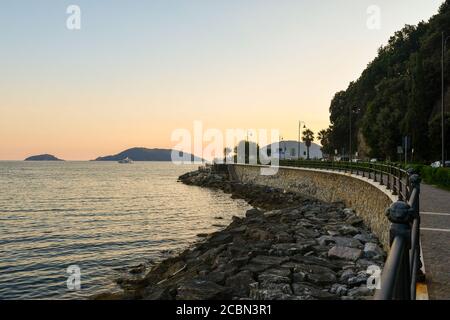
x,y
397,95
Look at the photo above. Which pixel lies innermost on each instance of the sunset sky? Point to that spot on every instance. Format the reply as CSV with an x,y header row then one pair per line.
x,y
137,70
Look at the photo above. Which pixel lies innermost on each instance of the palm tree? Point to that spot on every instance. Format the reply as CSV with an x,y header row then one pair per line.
x,y
322,136
308,138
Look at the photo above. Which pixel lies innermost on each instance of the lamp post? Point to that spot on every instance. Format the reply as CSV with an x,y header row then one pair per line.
x,y
350,135
300,135
444,44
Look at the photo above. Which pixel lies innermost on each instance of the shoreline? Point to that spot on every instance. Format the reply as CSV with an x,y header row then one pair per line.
x,y
288,247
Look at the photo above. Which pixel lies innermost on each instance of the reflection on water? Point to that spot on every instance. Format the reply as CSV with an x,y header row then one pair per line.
x,y
99,216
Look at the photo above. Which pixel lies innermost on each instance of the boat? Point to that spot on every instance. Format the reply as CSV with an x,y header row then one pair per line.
x,y
126,160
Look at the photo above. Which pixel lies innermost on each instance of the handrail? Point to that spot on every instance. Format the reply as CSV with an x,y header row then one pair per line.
x,y
403,265
393,177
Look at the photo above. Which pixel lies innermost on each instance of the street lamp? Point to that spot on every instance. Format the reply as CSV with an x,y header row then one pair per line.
x,y
350,134
444,44
300,135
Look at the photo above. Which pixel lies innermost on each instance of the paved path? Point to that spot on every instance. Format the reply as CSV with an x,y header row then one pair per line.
x,y
435,233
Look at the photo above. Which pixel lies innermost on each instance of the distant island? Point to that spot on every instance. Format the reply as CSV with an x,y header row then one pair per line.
x,y
144,154
43,157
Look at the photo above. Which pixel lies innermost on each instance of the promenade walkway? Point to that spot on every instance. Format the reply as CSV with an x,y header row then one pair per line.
x,y
435,233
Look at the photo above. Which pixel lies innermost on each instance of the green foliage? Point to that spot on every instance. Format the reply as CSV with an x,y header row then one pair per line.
x,y
397,95
435,176
324,138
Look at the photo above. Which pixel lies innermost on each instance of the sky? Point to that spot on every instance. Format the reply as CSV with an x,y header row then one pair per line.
x,y
138,70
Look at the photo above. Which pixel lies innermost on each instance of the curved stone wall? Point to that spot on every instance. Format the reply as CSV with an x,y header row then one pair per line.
x,y
367,198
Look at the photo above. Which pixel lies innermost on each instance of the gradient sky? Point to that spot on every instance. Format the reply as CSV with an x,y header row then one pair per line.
x,y
137,70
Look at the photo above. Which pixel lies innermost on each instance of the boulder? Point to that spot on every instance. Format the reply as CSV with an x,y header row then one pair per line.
x,y
308,291
372,250
240,283
359,279
289,249
198,289
361,291
321,278
216,276
267,278
339,289
347,274
345,253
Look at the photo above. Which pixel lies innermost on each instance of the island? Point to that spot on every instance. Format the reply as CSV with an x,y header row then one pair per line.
x,y
43,157
144,154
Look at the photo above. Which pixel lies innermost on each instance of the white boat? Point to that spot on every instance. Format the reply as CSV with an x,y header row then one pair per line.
x,y
126,160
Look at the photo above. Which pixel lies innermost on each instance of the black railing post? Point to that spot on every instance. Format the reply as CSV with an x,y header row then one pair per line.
x,y
400,183
416,261
396,277
381,175
388,186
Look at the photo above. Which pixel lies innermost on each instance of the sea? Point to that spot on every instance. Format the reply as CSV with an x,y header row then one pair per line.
x,y
69,230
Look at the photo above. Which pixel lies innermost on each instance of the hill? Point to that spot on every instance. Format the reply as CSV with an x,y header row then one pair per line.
x,y
144,154
397,95
43,157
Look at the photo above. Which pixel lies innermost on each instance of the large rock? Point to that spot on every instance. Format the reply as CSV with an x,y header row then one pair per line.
x,y
345,253
289,249
240,283
372,250
339,241
359,279
321,278
198,289
268,278
271,291
269,260
307,291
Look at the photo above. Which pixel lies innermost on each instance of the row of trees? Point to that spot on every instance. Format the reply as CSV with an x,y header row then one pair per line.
x,y
397,95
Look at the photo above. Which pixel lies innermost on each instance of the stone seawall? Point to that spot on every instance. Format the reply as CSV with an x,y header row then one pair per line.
x,y
367,198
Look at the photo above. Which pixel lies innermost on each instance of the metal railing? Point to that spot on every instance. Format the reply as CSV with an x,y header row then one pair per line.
x,y
402,269
390,175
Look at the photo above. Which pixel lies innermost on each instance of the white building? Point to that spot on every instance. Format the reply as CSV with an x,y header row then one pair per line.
x,y
288,150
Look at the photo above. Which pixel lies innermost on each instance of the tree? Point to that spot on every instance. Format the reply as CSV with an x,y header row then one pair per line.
x,y
397,95
308,138
324,138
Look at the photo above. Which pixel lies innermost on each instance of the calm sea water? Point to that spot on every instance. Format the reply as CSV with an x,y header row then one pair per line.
x,y
101,216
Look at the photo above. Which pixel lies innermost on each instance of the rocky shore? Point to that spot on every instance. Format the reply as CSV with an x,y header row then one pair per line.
x,y
288,247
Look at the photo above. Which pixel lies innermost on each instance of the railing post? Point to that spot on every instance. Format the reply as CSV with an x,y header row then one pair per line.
x,y
388,186
381,175
394,184
396,279
416,271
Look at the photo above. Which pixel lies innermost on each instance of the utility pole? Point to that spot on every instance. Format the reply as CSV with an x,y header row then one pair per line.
x,y
299,137
350,137
444,42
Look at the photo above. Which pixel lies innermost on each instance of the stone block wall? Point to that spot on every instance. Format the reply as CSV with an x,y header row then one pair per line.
x,y
367,198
